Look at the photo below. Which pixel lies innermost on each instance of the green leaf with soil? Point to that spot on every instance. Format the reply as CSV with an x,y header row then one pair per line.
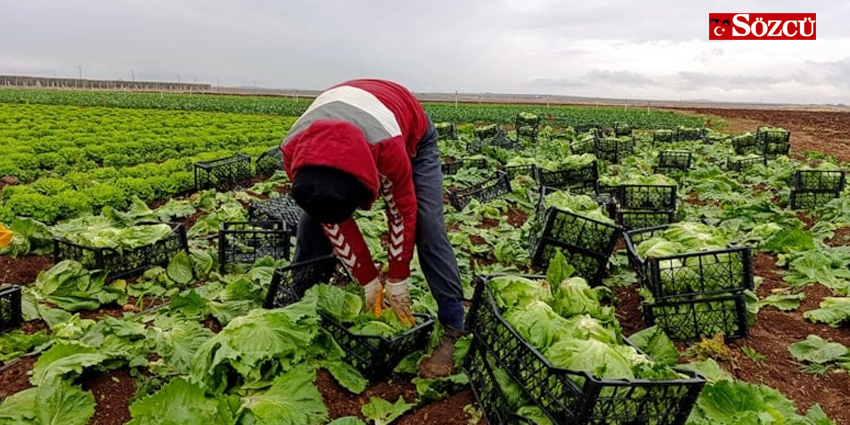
x,y
180,402
833,311
783,302
292,399
382,412
65,357
62,403
815,349
180,268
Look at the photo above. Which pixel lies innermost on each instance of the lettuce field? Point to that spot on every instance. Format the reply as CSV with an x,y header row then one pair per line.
x,y
706,249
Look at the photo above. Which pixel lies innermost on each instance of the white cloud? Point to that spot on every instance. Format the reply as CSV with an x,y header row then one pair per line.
x,y
606,48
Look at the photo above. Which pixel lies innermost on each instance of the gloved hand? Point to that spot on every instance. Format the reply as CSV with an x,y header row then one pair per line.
x,y
398,294
5,236
374,297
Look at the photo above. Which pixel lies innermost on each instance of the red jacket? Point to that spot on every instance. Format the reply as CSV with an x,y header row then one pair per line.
x,y
369,129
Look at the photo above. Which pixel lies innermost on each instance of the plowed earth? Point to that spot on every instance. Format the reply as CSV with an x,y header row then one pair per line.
x,y
774,331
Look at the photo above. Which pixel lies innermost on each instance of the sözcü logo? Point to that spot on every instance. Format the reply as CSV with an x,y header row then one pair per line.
x,y
761,26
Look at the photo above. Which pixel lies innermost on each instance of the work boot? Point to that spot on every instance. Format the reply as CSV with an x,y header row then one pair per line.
x,y
441,363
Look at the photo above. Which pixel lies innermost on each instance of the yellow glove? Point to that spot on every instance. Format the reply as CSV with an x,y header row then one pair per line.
x,y
5,236
398,294
374,297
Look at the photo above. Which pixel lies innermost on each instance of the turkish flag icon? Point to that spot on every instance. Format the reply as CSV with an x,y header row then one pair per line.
x,y
720,26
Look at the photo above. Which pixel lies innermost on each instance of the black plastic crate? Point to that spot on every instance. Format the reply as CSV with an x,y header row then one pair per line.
x,y
662,135
10,308
613,149
127,262
742,164
580,180
224,174
605,201
500,140
608,202
695,274
776,149
289,283
484,191
283,208
632,239
375,357
765,136
809,200
641,219
248,241
270,161
745,144
521,170
576,397
686,133
480,371
487,132
590,127
446,130
583,146
818,180
452,168
673,161
527,126
622,129
696,318
646,197
586,243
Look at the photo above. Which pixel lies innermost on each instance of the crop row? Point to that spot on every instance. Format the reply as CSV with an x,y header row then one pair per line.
x,y
283,106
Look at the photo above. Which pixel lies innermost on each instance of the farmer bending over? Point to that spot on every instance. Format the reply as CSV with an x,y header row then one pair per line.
x,y
357,140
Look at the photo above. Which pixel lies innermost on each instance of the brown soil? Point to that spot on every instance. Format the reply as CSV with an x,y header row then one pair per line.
x,y
628,309
15,376
771,335
516,216
840,238
23,271
341,402
822,131
112,392
774,331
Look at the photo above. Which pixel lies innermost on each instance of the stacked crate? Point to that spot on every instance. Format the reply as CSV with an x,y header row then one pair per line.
x,y
641,206
586,243
813,188
564,396
584,180
773,142
696,294
446,130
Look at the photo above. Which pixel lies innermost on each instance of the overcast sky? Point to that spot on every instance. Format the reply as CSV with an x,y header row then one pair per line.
x,y
624,49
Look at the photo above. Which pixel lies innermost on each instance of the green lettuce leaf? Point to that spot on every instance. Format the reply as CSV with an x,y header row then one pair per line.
x,y
180,268
382,412
833,311
180,402
656,344
292,399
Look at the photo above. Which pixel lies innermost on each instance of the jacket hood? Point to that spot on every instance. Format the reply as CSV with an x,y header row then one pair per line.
x,y
337,144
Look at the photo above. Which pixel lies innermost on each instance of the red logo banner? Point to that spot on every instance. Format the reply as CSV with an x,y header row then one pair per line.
x,y
761,26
